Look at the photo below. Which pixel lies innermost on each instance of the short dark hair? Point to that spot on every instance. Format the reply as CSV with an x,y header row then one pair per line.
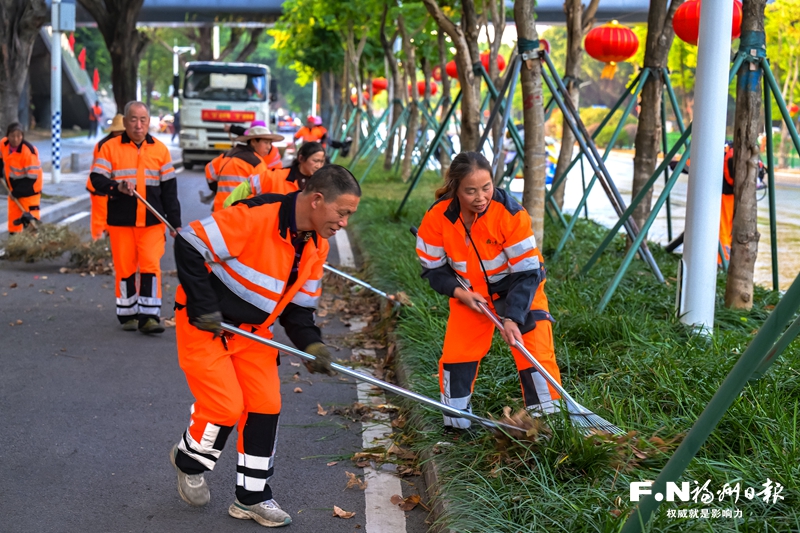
x,y
14,126
333,181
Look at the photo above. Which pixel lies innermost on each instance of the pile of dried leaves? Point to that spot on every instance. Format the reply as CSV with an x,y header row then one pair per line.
x,y
48,241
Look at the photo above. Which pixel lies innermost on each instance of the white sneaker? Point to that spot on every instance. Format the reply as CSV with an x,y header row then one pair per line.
x,y
268,513
192,489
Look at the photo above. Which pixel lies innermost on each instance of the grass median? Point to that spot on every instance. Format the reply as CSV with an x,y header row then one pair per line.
x,y
634,364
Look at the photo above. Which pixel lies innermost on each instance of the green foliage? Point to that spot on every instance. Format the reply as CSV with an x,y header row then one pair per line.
x,y
635,364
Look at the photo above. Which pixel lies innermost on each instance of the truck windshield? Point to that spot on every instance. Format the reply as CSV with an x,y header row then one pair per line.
x,y
227,86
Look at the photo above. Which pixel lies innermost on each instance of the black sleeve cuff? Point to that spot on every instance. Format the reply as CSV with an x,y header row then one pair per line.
x,y
298,322
102,184
522,289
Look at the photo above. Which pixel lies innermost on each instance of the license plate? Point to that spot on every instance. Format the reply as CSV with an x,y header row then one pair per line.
x,y
222,146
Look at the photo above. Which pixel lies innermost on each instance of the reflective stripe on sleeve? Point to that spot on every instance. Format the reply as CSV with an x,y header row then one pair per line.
x,y
429,249
305,300
430,265
123,173
522,247
529,263
255,184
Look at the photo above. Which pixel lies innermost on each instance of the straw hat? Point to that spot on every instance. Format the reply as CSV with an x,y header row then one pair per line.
x,y
258,132
116,124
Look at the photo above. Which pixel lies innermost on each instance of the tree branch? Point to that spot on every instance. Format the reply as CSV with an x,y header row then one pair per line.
x,y
587,20
236,38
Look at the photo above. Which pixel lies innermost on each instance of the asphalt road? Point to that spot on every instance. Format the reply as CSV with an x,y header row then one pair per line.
x,y
90,412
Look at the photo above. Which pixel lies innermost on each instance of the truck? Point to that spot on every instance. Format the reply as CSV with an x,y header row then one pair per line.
x,y
215,94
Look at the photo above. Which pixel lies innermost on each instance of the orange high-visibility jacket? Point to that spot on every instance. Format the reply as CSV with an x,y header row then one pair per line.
x,y
149,168
273,159
89,186
280,181
251,250
230,169
22,168
510,259
314,134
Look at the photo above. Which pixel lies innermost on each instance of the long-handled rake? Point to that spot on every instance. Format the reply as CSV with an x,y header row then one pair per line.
x,y
400,391
581,417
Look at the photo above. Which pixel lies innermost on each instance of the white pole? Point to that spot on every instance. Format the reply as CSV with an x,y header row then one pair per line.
x,y
314,98
215,42
55,93
698,280
175,72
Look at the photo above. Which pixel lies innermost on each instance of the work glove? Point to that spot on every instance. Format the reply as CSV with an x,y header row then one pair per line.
x,y
24,220
211,322
322,363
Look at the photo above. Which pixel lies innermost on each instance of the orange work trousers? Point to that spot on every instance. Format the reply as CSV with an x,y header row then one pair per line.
x,y
30,204
466,342
133,250
232,382
725,227
99,215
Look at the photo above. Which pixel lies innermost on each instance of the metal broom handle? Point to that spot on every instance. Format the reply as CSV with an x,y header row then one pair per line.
x,y
153,210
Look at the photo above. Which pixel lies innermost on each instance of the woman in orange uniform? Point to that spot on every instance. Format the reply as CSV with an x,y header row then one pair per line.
x,y
23,174
483,235
310,158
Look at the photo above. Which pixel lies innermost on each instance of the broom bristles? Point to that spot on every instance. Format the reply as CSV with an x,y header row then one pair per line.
x,y
48,241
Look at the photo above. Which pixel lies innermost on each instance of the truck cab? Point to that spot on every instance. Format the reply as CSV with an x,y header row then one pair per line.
x,y
216,94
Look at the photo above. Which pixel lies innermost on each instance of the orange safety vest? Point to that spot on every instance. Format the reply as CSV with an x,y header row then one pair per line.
x,y
89,186
273,159
95,112
147,167
23,170
230,169
502,236
277,182
313,134
248,250
727,185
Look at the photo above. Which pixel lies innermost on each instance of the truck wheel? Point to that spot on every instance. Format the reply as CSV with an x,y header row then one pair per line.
x,y
188,165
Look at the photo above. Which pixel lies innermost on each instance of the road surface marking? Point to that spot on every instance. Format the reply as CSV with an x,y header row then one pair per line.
x,y
74,218
346,258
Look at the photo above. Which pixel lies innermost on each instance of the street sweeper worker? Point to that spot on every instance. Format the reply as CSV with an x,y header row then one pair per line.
x,y
250,265
482,234
135,161
241,162
310,158
23,176
100,201
726,208
273,158
313,131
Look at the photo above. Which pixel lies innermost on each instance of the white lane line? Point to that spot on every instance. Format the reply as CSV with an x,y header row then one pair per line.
x,y
74,218
382,516
346,258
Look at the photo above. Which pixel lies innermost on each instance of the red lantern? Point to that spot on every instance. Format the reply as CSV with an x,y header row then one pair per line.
x,y
793,108
451,69
421,88
544,44
501,61
379,84
611,43
364,98
686,21
437,73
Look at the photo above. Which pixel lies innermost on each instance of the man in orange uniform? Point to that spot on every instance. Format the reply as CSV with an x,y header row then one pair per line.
x,y
484,236
313,131
244,160
137,161
23,174
95,114
250,264
100,201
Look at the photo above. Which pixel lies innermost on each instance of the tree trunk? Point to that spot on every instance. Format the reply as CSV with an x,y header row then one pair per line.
x,y
20,21
444,155
648,131
788,96
116,20
533,113
409,66
578,24
252,44
466,43
233,42
395,93
747,127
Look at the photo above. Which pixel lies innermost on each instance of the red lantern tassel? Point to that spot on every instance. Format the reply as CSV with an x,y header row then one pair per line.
x,y
608,71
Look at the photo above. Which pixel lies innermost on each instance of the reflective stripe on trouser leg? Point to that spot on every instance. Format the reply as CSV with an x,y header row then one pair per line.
x,y
196,456
127,299
457,382
256,463
149,303
536,392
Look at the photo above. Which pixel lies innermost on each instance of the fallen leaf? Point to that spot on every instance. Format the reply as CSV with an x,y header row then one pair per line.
x,y
63,270
298,389
321,410
410,502
397,499
12,286
332,463
294,364
19,322
341,513
296,377
69,289
46,291
44,277
354,481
